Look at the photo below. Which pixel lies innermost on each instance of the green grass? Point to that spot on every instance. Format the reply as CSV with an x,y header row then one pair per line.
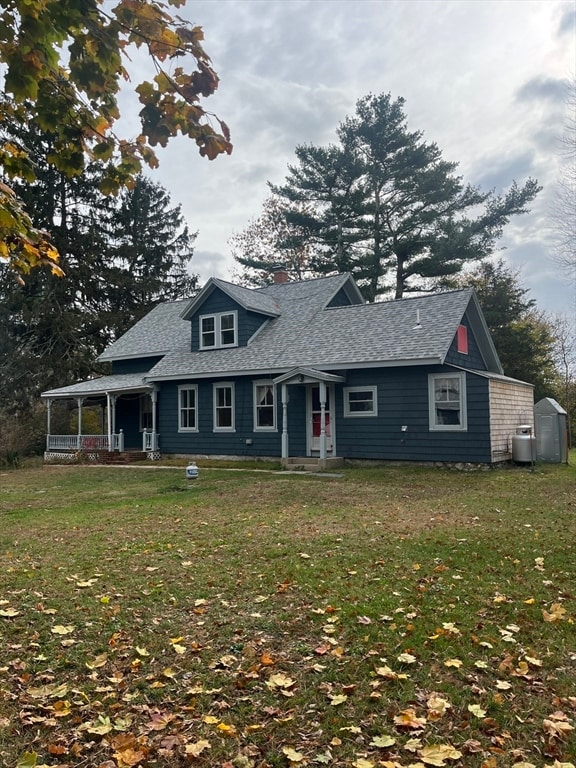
x,y
258,620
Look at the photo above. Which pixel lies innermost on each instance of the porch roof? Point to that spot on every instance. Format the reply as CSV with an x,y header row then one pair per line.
x,y
125,382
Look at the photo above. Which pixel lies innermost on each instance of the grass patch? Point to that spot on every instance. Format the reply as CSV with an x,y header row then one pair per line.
x,y
392,616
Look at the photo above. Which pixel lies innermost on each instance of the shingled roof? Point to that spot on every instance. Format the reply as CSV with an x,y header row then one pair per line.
x,y
302,330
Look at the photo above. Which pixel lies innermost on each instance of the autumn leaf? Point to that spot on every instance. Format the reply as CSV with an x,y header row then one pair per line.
x,y
292,755
338,699
409,719
477,711
62,630
9,613
280,681
557,613
437,754
456,663
196,749
382,742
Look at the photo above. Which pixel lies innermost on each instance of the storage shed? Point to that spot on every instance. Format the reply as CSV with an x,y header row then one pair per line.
x,y
551,431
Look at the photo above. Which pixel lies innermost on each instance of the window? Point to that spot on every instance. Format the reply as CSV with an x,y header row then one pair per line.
x,y
447,401
264,406
188,409
145,412
360,401
224,408
218,330
462,339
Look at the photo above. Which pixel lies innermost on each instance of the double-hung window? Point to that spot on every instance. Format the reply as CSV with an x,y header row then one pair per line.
x,y
224,417
219,330
188,408
447,401
360,401
264,406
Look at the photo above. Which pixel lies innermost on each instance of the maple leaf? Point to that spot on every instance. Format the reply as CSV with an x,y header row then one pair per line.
x,y
557,726
280,681
382,742
292,755
362,763
338,699
196,749
409,719
477,711
456,663
437,707
62,630
9,613
437,754
557,613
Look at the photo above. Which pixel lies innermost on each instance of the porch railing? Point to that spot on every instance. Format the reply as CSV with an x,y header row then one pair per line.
x,y
84,442
149,440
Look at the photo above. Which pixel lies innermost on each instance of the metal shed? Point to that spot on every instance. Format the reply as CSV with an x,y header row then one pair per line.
x,y
551,431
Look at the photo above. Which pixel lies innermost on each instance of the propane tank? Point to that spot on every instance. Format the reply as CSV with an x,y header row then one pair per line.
x,y
191,471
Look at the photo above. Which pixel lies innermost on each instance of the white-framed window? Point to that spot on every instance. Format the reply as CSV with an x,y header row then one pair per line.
x,y
219,330
224,416
188,408
447,401
264,406
360,401
145,412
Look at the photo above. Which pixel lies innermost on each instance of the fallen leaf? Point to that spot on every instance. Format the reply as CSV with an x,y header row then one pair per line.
x,y
196,749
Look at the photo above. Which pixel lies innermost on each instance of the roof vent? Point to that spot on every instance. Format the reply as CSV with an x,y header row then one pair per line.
x,y
418,325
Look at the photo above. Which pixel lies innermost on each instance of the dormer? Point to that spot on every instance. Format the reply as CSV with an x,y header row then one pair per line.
x,y
224,315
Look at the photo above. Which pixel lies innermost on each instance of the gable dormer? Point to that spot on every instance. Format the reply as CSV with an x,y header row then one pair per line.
x,y
472,345
224,315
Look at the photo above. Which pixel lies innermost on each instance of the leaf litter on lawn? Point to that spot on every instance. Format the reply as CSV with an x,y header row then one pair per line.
x,y
430,623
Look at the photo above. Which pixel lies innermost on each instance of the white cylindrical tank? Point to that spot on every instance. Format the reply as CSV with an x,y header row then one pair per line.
x,y
523,445
191,471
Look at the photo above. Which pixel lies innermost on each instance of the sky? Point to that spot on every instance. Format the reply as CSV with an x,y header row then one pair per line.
x,y
484,79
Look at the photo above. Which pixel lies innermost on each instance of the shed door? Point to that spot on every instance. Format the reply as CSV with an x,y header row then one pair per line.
x,y
315,416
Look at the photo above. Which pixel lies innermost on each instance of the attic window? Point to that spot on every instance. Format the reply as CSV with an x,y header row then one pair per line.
x,y
219,330
462,339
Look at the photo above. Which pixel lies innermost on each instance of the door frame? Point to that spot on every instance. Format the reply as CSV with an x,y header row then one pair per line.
x,y
311,449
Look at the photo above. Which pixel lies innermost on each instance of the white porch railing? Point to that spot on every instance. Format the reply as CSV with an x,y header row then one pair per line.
x,y
84,442
149,440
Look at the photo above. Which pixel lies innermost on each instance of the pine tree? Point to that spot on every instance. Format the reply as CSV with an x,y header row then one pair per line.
x,y
389,208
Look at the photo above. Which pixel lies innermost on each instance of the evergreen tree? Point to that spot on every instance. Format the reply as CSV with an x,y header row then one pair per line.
x,y
524,337
387,206
120,258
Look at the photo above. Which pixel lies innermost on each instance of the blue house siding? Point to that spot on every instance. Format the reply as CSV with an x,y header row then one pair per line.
x,y
403,401
218,301
206,440
474,357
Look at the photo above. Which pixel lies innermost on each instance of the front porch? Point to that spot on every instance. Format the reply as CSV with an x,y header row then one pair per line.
x,y
107,444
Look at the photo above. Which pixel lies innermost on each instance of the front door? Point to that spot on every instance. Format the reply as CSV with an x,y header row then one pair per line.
x,y
315,418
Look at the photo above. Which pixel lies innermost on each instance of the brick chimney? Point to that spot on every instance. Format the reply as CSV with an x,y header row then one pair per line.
x,y
280,274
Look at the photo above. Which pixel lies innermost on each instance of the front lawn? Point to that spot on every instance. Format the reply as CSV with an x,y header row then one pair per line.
x,y
387,617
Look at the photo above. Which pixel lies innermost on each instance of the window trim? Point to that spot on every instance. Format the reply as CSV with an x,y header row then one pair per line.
x,y
224,385
217,317
181,388
433,425
349,414
255,385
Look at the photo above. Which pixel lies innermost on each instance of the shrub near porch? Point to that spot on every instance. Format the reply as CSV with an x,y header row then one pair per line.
x,y
389,617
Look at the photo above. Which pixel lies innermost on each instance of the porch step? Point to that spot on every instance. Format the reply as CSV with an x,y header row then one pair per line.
x,y
117,457
302,464
312,463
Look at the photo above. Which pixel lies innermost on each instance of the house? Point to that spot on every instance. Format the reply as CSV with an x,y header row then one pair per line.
x,y
304,369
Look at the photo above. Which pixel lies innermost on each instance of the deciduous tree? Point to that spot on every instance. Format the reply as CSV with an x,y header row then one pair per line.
x,y
63,64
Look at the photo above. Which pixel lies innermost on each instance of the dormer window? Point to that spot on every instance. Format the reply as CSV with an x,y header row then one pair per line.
x,y
219,330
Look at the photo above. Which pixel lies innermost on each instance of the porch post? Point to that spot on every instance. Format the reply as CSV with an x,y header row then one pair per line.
x,y
48,422
154,398
112,418
322,419
109,417
284,421
79,400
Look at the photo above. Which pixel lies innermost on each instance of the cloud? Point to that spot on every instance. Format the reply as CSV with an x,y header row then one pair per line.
x,y
482,79
543,88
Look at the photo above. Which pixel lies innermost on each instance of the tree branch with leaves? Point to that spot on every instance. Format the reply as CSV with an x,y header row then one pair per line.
x,y
63,65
